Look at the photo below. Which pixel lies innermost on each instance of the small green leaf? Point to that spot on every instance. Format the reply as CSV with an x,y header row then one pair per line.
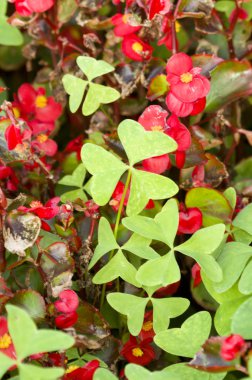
x,y
29,372
3,7
224,314
103,374
29,340
143,226
168,220
137,372
9,35
187,340
162,271
230,195
97,95
131,306
6,363
118,266
245,283
76,178
139,246
93,68
73,195
243,219
106,241
106,170
146,186
242,321
182,371
166,308
140,144
75,87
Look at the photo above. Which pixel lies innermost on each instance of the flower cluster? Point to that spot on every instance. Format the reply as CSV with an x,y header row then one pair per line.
x,y
66,306
188,89
39,113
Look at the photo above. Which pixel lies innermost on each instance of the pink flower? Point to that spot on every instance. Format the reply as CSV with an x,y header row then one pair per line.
x,y
14,136
45,145
158,7
136,49
232,347
190,220
34,104
64,321
68,301
186,83
27,7
183,109
123,25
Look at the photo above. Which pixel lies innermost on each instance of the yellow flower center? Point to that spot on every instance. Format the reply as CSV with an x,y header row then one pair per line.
x,y
42,138
157,128
147,326
125,18
16,112
186,77
137,352
72,368
137,47
36,204
41,101
177,27
5,341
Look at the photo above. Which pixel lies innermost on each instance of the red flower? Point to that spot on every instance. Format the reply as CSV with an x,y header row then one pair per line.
x,y
27,7
117,196
232,347
68,301
158,7
8,173
75,145
45,145
183,109
190,220
136,49
83,373
154,119
123,25
196,275
147,331
91,209
6,344
168,290
138,352
186,83
238,13
64,321
14,136
33,102
48,211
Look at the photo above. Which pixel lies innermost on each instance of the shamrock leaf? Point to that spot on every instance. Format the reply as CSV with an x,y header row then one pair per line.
x,y
103,374
118,266
187,340
137,372
107,169
28,340
97,94
134,308
76,179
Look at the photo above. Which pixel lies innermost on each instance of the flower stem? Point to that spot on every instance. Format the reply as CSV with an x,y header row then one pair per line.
x,y
117,223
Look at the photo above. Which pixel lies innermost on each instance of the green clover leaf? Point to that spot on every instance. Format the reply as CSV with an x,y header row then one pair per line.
x,y
76,179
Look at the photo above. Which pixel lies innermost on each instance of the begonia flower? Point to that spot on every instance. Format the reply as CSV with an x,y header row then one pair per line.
x,y
138,352
196,275
186,83
123,24
136,49
27,7
190,220
68,301
147,331
161,7
232,347
82,373
64,321
6,345
47,211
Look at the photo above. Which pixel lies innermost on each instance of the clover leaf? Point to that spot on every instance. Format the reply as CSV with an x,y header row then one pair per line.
x,y
76,179
97,94
9,35
107,169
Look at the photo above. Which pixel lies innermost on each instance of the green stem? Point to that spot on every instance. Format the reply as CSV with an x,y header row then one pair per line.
x,y
117,223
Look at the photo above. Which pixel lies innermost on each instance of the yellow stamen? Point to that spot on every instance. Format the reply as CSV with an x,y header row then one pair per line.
x,y
42,138
177,27
16,112
41,101
137,47
147,326
5,341
36,204
137,352
186,77
157,128
125,18
72,368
